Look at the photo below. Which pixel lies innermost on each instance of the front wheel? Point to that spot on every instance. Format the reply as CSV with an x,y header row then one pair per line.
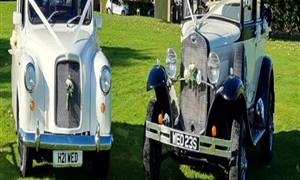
x,y
25,160
238,163
108,11
101,164
151,150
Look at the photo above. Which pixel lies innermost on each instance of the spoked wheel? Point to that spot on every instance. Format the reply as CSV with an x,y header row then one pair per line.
x,y
266,147
151,150
25,160
101,164
238,163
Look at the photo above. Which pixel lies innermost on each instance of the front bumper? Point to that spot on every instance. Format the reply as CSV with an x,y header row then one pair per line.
x,y
207,145
66,142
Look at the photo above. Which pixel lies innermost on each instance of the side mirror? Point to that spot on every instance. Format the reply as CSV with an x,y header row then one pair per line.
x,y
98,20
247,4
17,18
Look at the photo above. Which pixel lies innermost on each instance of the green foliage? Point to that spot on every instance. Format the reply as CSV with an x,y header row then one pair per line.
x,y
286,15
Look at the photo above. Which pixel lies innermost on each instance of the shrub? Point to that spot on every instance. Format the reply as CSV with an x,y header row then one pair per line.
x,y
285,15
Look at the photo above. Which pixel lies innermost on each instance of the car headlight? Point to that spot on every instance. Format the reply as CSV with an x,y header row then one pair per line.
x,y
171,63
105,79
213,70
30,77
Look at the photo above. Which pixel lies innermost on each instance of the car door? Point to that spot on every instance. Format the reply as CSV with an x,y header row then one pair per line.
x,y
250,49
16,54
115,7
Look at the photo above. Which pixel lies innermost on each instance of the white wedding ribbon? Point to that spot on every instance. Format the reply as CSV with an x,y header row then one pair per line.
x,y
85,10
50,29
46,23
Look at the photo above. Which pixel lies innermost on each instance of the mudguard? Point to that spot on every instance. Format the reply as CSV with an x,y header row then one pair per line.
x,y
156,77
229,98
231,89
267,75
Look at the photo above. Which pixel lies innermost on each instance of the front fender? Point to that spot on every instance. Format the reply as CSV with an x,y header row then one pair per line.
x,y
156,77
97,97
229,99
231,89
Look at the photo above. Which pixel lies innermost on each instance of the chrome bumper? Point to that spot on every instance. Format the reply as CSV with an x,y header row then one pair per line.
x,y
207,145
65,142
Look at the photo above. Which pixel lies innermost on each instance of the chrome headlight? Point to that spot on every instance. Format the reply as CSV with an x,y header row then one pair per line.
x,y
105,79
30,77
171,63
213,71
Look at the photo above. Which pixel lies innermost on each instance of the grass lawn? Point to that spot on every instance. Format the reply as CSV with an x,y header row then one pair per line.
x,y
132,45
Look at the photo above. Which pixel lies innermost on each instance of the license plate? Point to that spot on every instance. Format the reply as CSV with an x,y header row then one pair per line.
x,y
185,141
67,158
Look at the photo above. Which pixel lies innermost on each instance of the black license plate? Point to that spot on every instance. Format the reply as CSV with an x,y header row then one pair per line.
x,y
185,141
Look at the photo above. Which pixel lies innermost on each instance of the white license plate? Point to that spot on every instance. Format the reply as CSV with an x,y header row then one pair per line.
x,y
67,158
185,141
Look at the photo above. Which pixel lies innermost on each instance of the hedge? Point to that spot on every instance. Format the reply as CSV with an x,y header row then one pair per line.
x,y
285,15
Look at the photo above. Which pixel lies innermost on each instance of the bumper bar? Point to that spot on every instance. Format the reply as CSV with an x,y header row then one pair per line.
x,y
207,145
66,142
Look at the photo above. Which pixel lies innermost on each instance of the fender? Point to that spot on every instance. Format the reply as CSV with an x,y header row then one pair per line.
x,y
266,75
156,77
229,98
231,89
157,80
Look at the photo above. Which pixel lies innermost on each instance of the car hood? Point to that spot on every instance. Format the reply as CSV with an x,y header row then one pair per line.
x,y
46,53
218,33
43,39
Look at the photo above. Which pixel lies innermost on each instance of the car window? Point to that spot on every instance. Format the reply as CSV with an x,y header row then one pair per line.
x,y
60,11
22,10
248,8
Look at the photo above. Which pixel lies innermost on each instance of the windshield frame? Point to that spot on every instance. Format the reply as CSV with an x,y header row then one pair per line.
x,y
87,21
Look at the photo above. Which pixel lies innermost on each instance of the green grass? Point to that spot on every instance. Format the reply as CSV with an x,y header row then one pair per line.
x,y
132,45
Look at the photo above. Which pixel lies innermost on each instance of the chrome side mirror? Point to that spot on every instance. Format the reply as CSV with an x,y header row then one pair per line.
x,y
98,20
17,18
247,3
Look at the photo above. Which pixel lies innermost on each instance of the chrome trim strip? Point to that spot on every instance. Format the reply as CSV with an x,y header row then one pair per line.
x,y
66,142
162,134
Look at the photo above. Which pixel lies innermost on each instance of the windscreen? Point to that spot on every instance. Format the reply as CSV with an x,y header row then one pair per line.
x,y
230,9
60,11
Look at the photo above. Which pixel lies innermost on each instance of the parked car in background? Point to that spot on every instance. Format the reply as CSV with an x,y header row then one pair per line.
x,y
226,98
60,83
117,7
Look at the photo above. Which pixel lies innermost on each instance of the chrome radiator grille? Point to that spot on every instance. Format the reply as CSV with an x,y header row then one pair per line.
x,y
193,102
68,106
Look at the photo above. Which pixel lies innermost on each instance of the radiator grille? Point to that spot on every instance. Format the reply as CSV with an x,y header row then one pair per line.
x,y
67,109
193,102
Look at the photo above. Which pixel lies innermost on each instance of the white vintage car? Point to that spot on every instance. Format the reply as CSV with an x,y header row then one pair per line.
x,y
61,84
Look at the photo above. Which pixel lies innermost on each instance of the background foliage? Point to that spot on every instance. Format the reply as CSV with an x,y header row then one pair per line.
x,y
286,15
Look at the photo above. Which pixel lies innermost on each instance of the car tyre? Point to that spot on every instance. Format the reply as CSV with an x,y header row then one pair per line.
x,y
238,162
123,13
108,11
101,164
151,150
25,160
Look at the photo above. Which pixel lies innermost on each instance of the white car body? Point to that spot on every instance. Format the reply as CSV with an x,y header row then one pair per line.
x,y
116,7
45,46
